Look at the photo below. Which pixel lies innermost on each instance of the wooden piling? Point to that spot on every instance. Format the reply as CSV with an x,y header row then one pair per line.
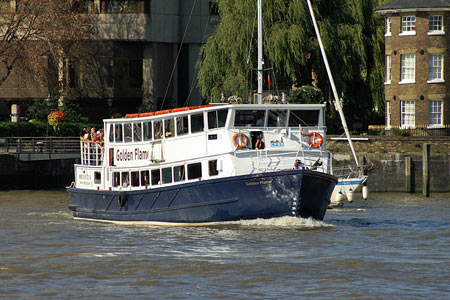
x,y
426,170
408,177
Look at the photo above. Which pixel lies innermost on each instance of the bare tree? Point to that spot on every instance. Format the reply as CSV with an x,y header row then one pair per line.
x,y
39,36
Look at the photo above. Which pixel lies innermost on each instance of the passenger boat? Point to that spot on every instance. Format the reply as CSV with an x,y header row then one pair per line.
x,y
199,165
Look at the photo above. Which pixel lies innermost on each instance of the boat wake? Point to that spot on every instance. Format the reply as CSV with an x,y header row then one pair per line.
x,y
283,222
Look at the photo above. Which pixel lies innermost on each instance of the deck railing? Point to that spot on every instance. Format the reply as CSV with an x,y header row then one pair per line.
x,y
40,145
91,153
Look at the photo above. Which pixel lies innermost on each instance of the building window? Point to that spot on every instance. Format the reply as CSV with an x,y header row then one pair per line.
x,y
408,114
408,66
408,25
388,114
388,69
435,112
436,25
388,26
123,6
435,65
127,73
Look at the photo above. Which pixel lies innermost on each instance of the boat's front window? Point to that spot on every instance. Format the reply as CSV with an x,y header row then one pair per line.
x,y
197,123
147,131
157,130
116,179
169,126
217,118
212,166
277,118
303,118
137,132
118,133
182,125
194,171
127,132
249,118
111,132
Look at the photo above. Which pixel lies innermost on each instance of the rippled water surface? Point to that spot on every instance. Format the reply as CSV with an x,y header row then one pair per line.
x,y
393,246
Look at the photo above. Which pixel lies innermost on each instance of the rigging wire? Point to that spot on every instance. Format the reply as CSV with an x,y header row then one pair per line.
x,y
178,54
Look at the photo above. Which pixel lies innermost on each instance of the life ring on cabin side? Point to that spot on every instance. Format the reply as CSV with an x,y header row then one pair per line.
x,y
315,139
240,140
122,198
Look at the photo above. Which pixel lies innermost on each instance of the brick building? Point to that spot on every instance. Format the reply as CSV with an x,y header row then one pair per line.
x,y
417,84
151,47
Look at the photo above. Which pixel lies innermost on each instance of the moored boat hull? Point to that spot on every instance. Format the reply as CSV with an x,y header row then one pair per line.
x,y
286,193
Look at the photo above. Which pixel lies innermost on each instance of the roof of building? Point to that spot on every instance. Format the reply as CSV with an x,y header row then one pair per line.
x,y
414,4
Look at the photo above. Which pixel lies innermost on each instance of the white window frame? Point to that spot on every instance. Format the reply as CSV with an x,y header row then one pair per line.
x,y
388,26
435,68
435,113
388,114
408,25
388,69
436,25
407,68
408,114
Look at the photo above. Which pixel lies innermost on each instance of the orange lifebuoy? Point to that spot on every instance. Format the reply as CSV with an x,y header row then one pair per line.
x,y
315,139
240,140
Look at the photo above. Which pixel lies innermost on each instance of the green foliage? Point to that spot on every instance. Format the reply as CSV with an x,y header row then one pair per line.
x,y
351,32
39,110
38,128
307,95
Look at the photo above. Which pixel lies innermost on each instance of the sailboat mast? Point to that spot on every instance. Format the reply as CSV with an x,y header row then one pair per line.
x,y
260,53
333,87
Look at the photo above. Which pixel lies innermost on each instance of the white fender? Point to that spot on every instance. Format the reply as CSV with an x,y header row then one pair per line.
x,y
350,195
340,198
365,192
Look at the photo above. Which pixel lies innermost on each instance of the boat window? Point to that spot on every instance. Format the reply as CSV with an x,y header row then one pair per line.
x,y
127,132
182,125
194,171
197,123
156,177
167,175
178,173
137,132
97,177
217,118
157,130
116,179
118,133
125,179
147,131
135,178
212,166
249,118
145,178
277,118
303,118
169,126
111,133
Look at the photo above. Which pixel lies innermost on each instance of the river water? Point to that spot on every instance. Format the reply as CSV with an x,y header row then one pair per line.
x,y
392,246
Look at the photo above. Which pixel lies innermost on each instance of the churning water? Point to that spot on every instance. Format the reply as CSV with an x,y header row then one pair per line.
x,y
393,246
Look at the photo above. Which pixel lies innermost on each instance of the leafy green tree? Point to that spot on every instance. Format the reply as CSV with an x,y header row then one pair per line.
x,y
351,32
307,95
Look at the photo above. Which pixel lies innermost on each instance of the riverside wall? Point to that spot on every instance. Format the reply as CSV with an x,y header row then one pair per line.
x,y
387,157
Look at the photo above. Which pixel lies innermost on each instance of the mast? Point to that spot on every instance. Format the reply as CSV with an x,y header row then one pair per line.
x,y
260,53
333,87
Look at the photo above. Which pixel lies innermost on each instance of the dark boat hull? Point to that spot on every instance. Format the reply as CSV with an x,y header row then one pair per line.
x,y
287,193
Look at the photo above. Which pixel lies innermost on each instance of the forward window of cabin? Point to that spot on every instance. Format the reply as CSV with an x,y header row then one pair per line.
x,y
111,133
167,175
145,178
277,118
97,177
194,171
197,124
135,178
217,119
137,132
125,179
182,125
169,126
157,130
127,132
147,131
179,174
116,179
246,118
118,133
303,118
156,177
212,166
